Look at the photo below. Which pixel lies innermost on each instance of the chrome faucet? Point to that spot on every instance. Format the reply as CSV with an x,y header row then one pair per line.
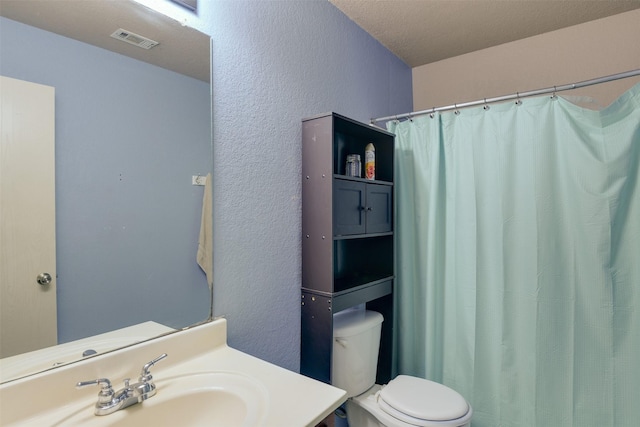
x,y
110,401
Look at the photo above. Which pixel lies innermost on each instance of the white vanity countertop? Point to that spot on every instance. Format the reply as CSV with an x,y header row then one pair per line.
x,y
35,361
50,398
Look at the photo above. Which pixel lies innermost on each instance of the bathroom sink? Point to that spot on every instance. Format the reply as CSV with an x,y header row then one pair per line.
x,y
202,382
207,398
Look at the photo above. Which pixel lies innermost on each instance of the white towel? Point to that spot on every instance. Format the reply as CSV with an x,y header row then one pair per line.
x,y
205,242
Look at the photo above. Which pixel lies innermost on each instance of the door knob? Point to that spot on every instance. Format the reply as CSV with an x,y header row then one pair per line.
x,y
43,279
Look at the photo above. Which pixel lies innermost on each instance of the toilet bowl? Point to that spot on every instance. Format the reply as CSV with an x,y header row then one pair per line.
x,y
405,401
430,405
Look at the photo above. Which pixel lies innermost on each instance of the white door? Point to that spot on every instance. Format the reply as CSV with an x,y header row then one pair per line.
x,y
28,319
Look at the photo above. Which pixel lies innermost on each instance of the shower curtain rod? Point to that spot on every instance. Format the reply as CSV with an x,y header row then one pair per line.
x,y
517,96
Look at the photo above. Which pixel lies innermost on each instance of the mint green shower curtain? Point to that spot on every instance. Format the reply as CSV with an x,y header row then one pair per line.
x,y
518,260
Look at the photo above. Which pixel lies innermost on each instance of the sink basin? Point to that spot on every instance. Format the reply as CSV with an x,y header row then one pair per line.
x,y
207,398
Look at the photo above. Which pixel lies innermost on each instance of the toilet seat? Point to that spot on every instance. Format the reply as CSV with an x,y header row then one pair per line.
x,y
421,402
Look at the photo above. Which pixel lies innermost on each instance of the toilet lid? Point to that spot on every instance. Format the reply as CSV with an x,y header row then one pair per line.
x,y
413,400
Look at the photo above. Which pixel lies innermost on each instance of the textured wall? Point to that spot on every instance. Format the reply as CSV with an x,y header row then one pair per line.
x,y
582,52
275,62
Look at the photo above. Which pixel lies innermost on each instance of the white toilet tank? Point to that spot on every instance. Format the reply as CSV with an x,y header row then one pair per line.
x,y
356,342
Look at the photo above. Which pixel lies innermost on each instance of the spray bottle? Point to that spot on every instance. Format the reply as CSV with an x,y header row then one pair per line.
x,y
370,161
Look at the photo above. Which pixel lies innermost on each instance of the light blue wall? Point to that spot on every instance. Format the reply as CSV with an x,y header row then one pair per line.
x,y
274,63
128,138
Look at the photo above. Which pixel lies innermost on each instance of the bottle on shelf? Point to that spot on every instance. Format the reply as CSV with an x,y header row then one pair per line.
x,y
370,161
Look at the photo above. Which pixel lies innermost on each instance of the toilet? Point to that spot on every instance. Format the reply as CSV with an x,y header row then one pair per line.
x,y
405,401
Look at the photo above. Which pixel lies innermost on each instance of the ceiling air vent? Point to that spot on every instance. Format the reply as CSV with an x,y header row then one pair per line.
x,y
134,39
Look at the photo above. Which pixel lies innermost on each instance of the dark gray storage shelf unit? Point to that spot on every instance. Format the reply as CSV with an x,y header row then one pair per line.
x,y
347,237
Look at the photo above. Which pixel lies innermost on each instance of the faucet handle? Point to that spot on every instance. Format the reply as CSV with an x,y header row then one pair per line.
x,y
106,391
145,375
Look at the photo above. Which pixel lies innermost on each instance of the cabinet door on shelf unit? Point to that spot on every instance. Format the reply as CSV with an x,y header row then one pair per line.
x,y
361,208
378,208
348,207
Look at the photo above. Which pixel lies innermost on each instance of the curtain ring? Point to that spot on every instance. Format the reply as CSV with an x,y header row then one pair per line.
x,y
518,101
433,112
554,96
486,106
456,112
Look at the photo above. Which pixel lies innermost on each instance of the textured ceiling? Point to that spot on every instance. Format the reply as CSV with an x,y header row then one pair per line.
x,y
417,31
424,31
